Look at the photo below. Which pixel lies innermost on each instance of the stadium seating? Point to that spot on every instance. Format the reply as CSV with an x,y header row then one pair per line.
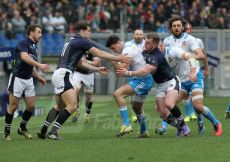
x,y
52,44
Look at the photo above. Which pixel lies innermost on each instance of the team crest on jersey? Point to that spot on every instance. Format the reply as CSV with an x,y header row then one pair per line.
x,y
184,44
170,59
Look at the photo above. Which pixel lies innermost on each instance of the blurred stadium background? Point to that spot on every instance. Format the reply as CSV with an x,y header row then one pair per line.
x,y
210,20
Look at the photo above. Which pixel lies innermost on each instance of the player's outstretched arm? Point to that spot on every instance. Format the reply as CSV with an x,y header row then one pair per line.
x,y
147,69
107,56
91,68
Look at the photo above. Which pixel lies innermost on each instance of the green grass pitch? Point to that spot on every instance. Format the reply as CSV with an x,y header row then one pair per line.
x,y
96,141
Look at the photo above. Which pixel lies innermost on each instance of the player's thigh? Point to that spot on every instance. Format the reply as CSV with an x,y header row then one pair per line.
x,y
171,98
162,110
182,95
60,104
69,97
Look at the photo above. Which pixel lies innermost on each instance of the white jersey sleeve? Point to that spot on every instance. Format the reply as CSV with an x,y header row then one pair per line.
x,y
200,43
192,43
129,51
137,59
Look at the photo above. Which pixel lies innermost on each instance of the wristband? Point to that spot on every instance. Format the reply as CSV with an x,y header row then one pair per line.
x,y
130,73
89,62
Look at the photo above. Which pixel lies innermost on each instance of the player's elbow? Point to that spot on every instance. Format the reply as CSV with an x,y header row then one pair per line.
x,y
200,56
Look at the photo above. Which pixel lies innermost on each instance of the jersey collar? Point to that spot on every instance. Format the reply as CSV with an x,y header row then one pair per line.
x,y
153,51
179,36
78,36
30,40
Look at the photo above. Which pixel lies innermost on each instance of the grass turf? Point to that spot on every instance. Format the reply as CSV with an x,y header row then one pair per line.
x,y
96,141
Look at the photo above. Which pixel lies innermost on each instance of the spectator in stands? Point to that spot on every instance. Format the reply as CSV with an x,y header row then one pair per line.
x,y
221,23
160,14
114,21
6,26
59,22
162,27
226,16
47,22
18,23
105,15
212,21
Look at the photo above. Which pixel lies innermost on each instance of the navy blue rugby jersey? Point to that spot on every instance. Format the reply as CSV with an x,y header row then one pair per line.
x,y
22,69
157,59
73,51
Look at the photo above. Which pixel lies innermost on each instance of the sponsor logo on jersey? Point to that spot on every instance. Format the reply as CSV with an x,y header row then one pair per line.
x,y
170,59
184,44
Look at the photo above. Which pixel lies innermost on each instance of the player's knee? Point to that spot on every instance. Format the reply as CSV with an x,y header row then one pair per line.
x,y
71,106
169,105
12,108
115,94
74,107
30,108
198,107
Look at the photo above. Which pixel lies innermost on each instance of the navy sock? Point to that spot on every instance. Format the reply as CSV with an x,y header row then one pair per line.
x,y
62,117
8,121
53,113
88,106
177,113
25,118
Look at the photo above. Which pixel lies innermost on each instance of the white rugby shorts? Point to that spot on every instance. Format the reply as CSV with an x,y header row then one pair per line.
x,y
87,80
21,87
163,88
62,80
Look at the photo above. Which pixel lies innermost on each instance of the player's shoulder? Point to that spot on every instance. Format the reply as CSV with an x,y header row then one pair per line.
x,y
24,41
129,50
79,41
167,40
128,44
188,37
23,44
199,40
